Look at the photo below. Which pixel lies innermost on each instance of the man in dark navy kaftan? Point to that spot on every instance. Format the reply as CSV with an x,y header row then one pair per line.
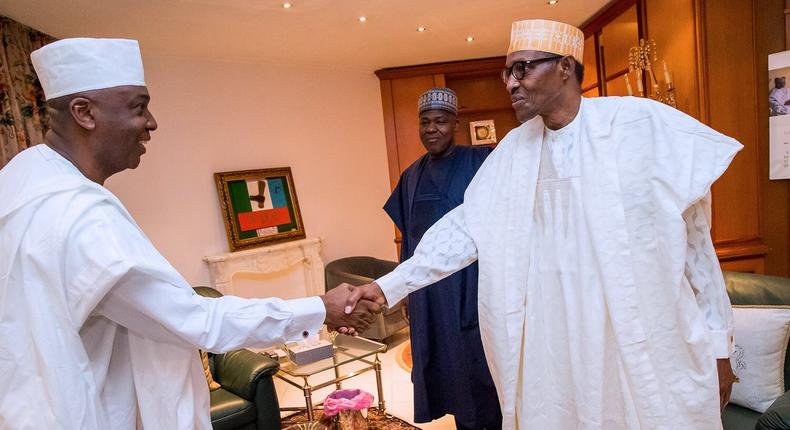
x,y
449,372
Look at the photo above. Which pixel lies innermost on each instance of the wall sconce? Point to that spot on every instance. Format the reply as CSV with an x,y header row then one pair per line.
x,y
641,59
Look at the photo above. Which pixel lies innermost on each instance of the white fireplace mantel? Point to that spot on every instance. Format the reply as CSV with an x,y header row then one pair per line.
x,y
268,260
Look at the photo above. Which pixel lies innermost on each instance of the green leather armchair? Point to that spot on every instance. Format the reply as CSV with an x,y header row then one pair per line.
x,y
360,271
247,399
751,289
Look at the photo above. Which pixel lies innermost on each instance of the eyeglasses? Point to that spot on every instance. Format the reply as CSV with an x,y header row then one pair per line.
x,y
519,69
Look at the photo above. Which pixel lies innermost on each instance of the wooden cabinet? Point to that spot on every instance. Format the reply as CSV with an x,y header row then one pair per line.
x,y
609,35
718,52
481,96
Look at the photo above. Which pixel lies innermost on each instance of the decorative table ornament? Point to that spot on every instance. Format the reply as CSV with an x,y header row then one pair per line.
x,y
343,409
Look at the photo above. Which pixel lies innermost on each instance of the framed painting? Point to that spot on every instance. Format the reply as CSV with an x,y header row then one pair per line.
x,y
259,207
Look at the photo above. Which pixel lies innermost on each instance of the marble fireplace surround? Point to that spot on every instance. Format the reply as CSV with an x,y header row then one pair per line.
x,y
299,258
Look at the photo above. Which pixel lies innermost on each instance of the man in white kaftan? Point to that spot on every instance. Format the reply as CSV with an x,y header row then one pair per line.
x,y
779,97
601,301
97,329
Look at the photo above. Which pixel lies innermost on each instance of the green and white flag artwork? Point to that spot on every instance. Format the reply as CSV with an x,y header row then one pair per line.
x,y
262,207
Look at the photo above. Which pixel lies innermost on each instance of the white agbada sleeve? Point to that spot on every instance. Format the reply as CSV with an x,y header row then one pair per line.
x,y
704,274
443,250
156,307
157,310
690,158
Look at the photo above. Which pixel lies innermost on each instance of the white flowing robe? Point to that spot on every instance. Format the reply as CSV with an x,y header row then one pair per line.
x,y
777,98
97,329
639,311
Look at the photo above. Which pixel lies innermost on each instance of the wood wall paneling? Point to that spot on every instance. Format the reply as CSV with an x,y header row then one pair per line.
x,y
609,36
717,52
405,93
592,92
482,66
774,195
482,98
671,23
732,97
615,85
487,92
590,65
504,121
746,265
617,38
390,133
606,15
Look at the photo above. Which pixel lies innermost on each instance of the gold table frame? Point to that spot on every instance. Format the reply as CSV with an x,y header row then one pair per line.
x,y
347,349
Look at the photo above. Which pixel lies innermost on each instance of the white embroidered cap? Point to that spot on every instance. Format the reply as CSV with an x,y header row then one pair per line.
x,y
547,36
70,66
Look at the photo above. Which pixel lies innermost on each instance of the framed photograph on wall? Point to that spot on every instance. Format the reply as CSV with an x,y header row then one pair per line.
x,y
482,132
779,115
259,207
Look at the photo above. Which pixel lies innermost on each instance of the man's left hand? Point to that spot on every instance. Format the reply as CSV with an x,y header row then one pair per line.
x,y
726,379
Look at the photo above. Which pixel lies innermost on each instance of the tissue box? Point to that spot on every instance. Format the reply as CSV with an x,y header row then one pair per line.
x,y
278,354
307,354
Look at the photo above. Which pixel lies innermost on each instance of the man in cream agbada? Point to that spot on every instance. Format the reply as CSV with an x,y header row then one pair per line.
x,y
601,301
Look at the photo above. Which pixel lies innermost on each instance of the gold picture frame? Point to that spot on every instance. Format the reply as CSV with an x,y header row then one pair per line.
x,y
482,132
259,207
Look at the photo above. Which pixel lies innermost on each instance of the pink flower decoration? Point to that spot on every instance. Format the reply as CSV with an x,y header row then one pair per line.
x,y
346,400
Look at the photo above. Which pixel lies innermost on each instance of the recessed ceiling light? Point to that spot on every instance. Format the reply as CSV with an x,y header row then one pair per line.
x,y
287,5
469,38
362,19
421,29
553,2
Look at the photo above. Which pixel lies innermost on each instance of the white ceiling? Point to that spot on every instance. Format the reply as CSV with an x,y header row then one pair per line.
x,y
323,33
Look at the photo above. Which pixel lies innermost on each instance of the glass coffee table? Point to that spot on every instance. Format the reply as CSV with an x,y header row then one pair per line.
x,y
347,350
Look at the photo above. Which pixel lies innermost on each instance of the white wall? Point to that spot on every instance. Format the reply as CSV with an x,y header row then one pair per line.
x,y
325,124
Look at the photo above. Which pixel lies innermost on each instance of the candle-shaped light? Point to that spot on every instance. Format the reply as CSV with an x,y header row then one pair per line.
x,y
639,82
628,85
667,77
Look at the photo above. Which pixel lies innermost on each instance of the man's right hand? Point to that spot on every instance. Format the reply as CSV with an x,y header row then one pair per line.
x,y
338,316
360,298
370,292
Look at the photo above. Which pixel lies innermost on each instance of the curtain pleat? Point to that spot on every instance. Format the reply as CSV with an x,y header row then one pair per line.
x,y
23,114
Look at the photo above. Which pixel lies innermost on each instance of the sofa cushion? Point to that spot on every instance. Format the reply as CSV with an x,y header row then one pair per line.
x,y
777,417
739,418
761,337
752,289
229,411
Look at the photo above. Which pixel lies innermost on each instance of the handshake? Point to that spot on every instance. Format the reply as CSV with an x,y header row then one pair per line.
x,y
350,310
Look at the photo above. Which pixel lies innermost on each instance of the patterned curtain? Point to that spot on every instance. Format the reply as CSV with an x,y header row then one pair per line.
x,y
22,105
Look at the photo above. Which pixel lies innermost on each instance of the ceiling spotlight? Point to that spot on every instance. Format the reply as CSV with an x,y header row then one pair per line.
x,y
287,5
362,19
469,38
421,29
553,2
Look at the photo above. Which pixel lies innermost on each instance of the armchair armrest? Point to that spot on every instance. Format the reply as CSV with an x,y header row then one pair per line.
x,y
777,416
241,370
